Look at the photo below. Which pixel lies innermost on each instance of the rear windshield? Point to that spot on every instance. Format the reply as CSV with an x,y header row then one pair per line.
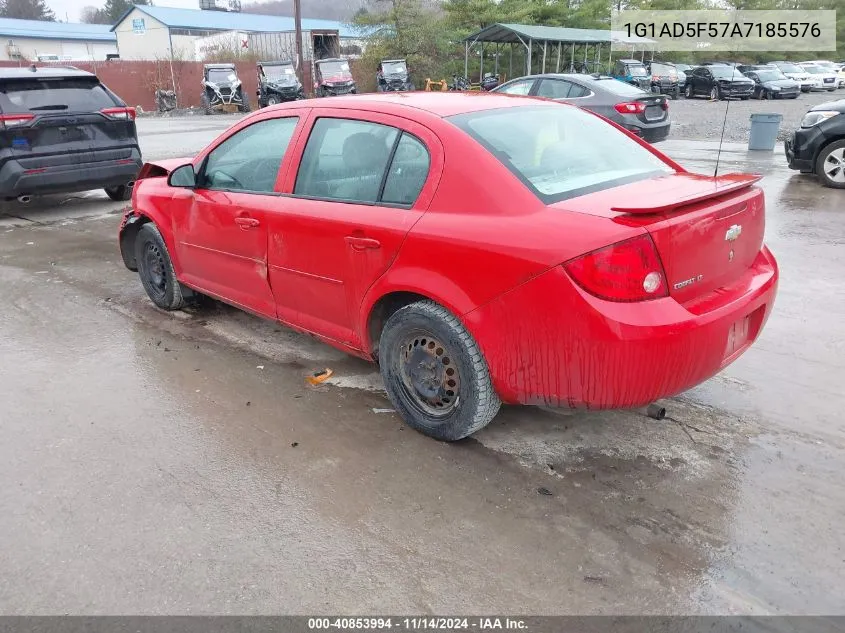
x,y
77,94
620,88
560,152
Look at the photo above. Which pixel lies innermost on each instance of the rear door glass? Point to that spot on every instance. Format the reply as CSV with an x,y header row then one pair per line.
x,y
76,94
554,89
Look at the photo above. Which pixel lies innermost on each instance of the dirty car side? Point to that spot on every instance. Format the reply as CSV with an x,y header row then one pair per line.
x,y
496,257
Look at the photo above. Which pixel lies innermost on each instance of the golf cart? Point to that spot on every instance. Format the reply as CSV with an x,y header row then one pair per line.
x,y
393,76
277,83
632,71
222,90
664,78
333,77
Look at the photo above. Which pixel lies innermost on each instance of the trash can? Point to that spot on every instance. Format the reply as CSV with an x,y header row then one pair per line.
x,y
764,131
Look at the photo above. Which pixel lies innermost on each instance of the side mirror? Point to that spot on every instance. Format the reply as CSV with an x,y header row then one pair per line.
x,y
183,176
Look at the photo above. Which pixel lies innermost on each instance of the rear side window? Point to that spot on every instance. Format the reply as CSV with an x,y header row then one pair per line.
x,y
73,94
553,89
407,173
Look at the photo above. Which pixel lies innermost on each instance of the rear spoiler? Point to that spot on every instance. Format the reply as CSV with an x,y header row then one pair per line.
x,y
682,189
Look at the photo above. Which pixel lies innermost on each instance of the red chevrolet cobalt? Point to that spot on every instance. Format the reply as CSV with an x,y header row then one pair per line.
x,y
481,248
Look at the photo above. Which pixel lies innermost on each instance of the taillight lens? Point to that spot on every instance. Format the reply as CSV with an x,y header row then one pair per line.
x,y
14,120
119,114
665,105
630,107
626,271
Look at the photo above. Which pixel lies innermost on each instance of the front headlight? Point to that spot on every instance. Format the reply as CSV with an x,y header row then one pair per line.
x,y
817,116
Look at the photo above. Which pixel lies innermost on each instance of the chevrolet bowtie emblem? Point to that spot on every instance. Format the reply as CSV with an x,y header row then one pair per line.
x,y
732,233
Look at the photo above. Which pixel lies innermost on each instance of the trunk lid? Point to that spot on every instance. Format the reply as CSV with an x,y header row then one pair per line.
x,y
708,231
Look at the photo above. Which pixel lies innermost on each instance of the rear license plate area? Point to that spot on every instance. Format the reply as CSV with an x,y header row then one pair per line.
x,y
743,332
653,113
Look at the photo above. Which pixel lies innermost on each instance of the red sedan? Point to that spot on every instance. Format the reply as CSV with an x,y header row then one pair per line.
x,y
482,248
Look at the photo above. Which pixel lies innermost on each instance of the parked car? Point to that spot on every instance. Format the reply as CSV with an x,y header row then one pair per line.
x,y
62,130
664,78
818,146
222,90
595,272
822,77
718,81
796,73
632,71
640,112
770,83
683,71
393,76
333,77
277,83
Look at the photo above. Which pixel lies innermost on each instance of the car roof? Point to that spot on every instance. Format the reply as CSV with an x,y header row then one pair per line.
x,y
438,104
278,62
33,72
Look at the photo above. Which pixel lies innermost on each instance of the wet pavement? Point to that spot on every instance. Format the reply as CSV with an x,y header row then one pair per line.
x,y
178,463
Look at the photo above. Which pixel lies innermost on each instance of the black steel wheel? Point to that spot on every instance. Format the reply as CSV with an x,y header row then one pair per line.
x,y
156,270
688,91
434,372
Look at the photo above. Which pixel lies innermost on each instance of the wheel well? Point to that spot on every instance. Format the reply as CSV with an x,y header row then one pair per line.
x,y
127,241
821,148
383,310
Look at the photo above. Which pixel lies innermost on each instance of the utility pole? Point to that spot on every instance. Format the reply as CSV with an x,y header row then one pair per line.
x,y
297,18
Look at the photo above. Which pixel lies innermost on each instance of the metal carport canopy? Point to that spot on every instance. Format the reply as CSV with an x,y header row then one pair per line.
x,y
529,34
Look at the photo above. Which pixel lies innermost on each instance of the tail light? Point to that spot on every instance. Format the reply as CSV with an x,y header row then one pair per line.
x,y
119,114
14,120
630,107
626,271
665,105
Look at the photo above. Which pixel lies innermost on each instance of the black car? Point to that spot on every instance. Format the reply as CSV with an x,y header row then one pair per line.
x,y
277,83
718,81
638,111
818,146
770,83
61,130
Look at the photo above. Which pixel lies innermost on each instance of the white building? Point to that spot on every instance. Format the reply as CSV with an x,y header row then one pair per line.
x,y
34,40
147,32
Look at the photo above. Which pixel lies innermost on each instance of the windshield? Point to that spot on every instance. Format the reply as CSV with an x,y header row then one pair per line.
x,y
790,68
393,68
221,75
816,70
78,94
560,152
770,75
335,69
620,88
663,69
725,72
279,72
636,70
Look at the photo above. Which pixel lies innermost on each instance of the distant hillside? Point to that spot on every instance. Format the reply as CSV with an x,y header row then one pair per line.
x,y
340,10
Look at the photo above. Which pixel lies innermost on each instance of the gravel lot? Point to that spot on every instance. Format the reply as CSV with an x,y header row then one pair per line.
x,y
702,119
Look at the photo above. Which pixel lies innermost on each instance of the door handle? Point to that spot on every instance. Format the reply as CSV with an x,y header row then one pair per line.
x,y
247,223
362,243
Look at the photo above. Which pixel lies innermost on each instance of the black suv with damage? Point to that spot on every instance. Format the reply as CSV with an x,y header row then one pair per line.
x,y
277,83
393,76
818,146
61,130
222,90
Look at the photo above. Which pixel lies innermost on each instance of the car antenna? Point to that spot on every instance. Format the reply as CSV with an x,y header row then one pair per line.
x,y
722,137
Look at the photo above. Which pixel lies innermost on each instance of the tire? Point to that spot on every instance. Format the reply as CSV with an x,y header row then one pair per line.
x,y
830,165
121,193
156,270
688,91
715,93
831,89
244,107
205,104
456,404
272,100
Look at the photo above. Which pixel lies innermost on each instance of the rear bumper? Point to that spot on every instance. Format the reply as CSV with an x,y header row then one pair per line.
x,y
16,180
653,133
549,342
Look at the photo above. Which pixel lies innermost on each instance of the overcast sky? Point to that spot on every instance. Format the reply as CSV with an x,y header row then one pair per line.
x,y
69,9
